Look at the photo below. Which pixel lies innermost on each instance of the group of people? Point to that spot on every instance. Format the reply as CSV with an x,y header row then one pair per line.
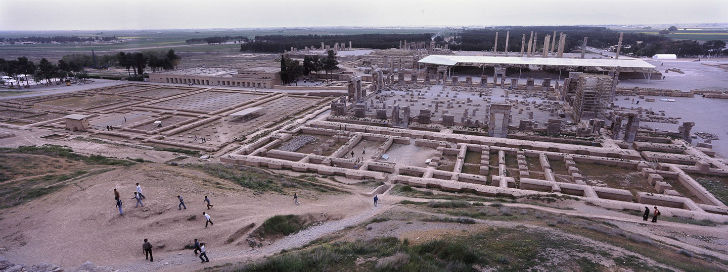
x,y
147,246
655,214
199,248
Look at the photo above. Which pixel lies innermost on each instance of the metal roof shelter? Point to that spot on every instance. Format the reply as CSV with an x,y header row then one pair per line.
x,y
624,65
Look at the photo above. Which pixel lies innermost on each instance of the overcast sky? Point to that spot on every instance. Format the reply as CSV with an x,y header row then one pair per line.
x,y
175,14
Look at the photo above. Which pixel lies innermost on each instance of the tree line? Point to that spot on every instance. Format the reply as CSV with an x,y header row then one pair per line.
x,y
292,69
74,65
639,44
43,70
218,39
59,39
280,43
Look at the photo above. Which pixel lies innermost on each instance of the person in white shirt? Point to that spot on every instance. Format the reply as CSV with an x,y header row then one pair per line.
x,y
207,217
203,253
139,191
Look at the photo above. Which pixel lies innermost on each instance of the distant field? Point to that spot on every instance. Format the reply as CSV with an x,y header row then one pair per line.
x,y
166,39
694,34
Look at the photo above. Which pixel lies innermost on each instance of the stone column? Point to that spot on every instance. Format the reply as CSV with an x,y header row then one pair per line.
x,y
619,45
530,44
535,41
562,40
583,47
553,43
495,44
546,46
523,43
508,35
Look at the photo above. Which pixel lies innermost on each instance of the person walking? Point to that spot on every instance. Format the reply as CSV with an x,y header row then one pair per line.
x,y
197,247
118,204
147,247
208,203
116,194
207,218
138,200
295,199
646,215
203,253
181,203
655,214
139,191
376,199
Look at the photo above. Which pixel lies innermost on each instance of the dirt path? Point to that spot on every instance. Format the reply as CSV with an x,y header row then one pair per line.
x,y
186,261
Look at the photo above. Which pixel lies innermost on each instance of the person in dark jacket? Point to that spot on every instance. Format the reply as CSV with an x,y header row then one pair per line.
x,y
147,247
197,247
647,214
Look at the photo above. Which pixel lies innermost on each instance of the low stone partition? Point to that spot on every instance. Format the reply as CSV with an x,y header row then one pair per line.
x,y
575,189
667,201
503,181
659,147
346,147
344,163
387,167
427,143
412,171
469,178
714,209
669,158
318,131
536,185
606,161
482,140
284,164
614,194
284,155
694,187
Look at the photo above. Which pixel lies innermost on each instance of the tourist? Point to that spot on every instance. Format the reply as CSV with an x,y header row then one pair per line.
x,y
147,247
138,200
181,203
647,214
207,219
118,204
197,247
116,194
208,203
352,154
295,199
655,214
203,253
376,199
139,191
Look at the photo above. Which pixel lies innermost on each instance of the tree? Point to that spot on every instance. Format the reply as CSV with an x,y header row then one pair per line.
x,y
47,70
330,62
290,70
125,61
26,67
672,28
172,60
3,66
64,69
139,62
311,64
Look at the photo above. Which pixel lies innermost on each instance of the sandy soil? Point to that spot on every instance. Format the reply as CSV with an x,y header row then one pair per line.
x,y
80,222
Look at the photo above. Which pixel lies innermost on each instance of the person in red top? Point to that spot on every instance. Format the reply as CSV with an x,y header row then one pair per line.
x,y
655,214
